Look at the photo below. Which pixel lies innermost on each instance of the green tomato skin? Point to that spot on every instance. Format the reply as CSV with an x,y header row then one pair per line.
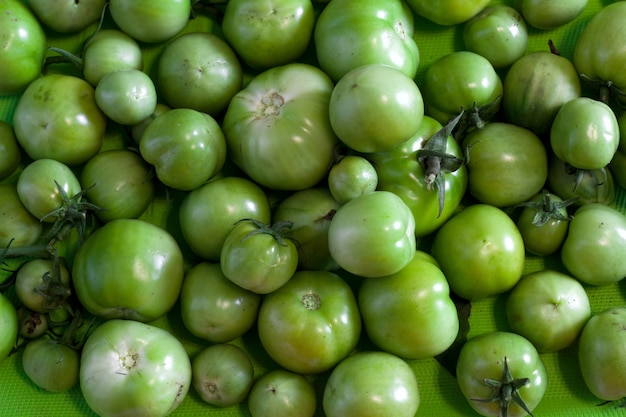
x,y
126,97
160,21
22,47
482,357
348,35
410,313
267,34
480,251
107,51
57,117
130,269
549,308
132,368
498,33
213,308
381,217
448,12
592,140
51,365
9,325
10,153
282,393
375,107
367,383
595,244
351,177
546,14
601,354
18,227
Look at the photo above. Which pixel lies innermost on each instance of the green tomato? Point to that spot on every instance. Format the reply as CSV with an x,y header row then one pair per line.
x,y
497,367
547,14
278,130
214,308
601,354
592,251
507,164
8,326
370,384
58,118
67,16
480,251
375,107
282,393
549,308
199,71
18,227
498,33
127,97
129,367
267,34
22,47
381,217
448,12
10,153
149,21
259,257
311,323
590,142
410,313
351,177
130,269
209,213
185,146
51,365
32,325
349,34
586,186
40,287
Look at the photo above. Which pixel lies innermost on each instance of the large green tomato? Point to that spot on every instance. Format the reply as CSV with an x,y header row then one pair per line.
x,y
8,326
601,354
22,47
375,107
373,235
268,33
594,247
496,369
448,12
548,14
410,313
371,384
311,323
57,117
129,269
480,251
150,21
278,129
68,16
132,368
350,34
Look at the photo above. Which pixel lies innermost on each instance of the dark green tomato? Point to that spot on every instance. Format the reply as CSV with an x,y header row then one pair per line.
x,y
311,212
57,117
543,223
8,326
222,375
214,308
18,227
199,71
351,177
349,35
535,87
128,269
67,16
549,308
278,129
494,363
592,140
40,287
447,90
258,257
595,244
127,97
282,393
311,323
400,172
601,354
507,164
375,107
448,12
10,153
149,21
118,181
266,33
548,14
185,146
22,47
410,313
595,186
209,213
498,33
51,365
480,251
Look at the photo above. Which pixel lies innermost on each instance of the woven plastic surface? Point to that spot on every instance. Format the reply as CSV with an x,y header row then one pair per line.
x,y
440,395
